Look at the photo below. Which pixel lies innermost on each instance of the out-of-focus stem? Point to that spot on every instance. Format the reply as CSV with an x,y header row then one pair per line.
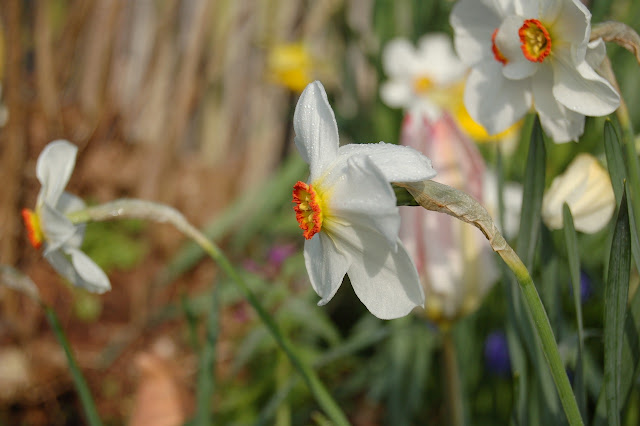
x,y
140,209
452,380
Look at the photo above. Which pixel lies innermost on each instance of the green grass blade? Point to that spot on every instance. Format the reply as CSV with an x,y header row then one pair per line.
x,y
206,378
616,293
573,257
532,196
88,404
615,160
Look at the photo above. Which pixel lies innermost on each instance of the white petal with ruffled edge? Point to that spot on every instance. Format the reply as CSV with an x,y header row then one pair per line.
x,y
326,266
397,163
363,196
474,22
558,122
53,169
316,129
57,228
494,101
386,282
582,90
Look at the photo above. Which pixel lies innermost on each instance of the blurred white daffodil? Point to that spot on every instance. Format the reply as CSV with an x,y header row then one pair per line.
x,y
421,79
348,211
586,187
48,224
455,263
526,53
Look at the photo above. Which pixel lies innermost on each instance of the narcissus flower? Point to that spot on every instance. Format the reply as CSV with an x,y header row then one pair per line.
x,y
348,211
49,226
586,187
454,260
527,54
423,78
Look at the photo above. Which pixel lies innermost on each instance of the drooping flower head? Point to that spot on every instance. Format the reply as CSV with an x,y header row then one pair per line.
x,y
455,263
586,187
536,54
48,226
347,211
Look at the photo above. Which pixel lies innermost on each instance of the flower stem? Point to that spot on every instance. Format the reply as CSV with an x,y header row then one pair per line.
x,y
88,404
445,199
452,380
141,209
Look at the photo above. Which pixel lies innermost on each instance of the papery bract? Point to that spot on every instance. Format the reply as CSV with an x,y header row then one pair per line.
x,y
454,260
354,228
48,224
527,54
586,187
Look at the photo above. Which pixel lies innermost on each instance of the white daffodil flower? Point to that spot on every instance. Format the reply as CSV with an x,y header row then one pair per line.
x,y
348,211
421,79
455,262
48,224
531,53
586,187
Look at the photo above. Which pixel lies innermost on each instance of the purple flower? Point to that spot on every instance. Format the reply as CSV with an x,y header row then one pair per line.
x,y
496,353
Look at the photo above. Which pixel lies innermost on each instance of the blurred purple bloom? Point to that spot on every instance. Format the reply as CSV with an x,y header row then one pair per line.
x,y
496,353
279,253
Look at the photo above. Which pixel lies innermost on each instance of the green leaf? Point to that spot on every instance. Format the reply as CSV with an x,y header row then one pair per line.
x,y
204,390
616,293
532,196
88,404
615,161
573,258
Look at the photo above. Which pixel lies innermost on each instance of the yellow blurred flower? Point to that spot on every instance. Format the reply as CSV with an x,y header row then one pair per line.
x,y
291,65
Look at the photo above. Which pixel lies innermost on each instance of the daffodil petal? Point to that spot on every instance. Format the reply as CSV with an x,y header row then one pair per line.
x,y
582,90
474,22
69,203
53,169
558,122
386,282
576,19
398,57
363,196
92,277
396,93
56,227
326,266
495,102
397,163
316,129
508,41
437,60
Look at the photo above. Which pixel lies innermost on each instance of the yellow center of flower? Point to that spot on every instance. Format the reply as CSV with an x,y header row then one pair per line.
x,y
535,40
497,54
308,209
34,231
422,85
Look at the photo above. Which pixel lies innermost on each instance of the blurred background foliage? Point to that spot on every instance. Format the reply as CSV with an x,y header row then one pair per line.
x,y
183,102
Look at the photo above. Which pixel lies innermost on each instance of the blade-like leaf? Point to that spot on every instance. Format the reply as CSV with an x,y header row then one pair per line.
x,y
573,258
616,293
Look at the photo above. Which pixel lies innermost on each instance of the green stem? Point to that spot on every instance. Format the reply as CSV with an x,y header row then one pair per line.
x,y
78,379
140,209
547,339
452,380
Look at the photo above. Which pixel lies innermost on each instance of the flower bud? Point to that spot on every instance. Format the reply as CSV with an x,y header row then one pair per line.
x,y
586,187
454,260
